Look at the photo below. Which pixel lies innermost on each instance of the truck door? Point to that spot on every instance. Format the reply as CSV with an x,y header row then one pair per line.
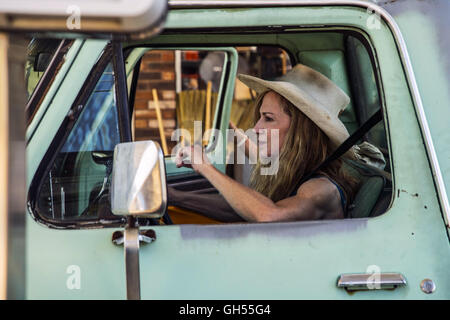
x,y
315,259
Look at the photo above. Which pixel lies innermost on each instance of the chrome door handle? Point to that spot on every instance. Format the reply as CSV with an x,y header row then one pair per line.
x,y
370,281
145,236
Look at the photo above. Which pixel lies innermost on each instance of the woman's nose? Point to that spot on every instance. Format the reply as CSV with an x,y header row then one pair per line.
x,y
257,128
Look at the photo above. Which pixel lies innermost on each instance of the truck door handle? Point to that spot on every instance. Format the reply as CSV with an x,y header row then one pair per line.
x,y
145,236
370,281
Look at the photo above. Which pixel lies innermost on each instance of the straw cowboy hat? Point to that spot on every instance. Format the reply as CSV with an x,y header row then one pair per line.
x,y
314,94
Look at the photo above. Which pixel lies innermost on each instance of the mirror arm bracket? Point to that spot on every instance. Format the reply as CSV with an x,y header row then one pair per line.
x,y
131,250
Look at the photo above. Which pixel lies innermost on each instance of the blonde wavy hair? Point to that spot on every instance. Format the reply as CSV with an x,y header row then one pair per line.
x,y
304,148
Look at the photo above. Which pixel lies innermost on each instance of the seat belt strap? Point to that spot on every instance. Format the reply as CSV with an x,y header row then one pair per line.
x,y
345,146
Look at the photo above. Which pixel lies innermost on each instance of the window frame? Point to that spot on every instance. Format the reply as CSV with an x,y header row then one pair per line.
x,y
47,78
95,73
346,31
57,143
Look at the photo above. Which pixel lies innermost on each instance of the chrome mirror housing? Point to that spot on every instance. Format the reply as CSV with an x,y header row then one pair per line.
x,y
138,184
135,19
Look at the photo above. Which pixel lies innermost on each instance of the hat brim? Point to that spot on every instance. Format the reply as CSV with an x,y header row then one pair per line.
x,y
331,125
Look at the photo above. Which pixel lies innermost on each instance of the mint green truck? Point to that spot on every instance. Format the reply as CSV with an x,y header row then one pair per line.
x,y
392,56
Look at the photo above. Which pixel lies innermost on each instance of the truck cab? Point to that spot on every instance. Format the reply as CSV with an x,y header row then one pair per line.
x,y
102,93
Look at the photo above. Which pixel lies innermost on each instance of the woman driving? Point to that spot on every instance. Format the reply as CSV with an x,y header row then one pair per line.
x,y
302,108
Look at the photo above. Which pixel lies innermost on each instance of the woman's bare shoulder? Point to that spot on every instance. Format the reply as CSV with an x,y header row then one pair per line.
x,y
322,193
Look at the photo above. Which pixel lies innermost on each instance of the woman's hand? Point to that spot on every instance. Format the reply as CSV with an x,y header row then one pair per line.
x,y
250,147
192,157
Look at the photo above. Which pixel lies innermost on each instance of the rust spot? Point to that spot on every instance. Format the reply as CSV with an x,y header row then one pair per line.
x,y
411,194
349,291
149,233
116,235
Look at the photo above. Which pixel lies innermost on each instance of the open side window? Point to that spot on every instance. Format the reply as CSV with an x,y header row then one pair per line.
x,y
345,57
168,90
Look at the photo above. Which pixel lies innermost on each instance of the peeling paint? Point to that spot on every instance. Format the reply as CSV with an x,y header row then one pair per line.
x,y
436,10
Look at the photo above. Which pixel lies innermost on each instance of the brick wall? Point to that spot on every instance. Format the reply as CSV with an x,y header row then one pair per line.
x,y
157,72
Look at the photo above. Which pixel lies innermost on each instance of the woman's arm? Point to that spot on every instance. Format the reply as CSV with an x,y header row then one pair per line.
x,y
211,205
314,199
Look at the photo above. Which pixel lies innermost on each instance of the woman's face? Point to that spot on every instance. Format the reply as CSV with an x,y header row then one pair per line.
x,y
272,117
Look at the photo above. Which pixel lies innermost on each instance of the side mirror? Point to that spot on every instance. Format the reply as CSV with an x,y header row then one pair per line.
x,y
81,18
138,184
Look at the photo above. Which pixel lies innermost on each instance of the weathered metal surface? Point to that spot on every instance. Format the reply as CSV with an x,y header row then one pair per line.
x,y
435,12
293,230
425,25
